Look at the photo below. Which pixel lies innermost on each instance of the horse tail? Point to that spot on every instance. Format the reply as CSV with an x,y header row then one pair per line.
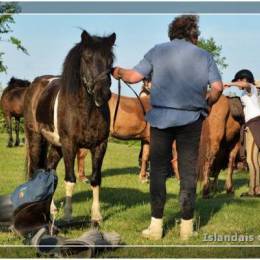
x,y
203,150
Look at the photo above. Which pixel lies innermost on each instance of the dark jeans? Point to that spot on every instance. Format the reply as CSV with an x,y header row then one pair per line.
x,y
187,142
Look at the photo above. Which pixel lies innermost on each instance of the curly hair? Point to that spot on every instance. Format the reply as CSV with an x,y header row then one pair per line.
x,y
184,27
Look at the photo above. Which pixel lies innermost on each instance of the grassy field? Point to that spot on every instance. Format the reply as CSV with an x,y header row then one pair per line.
x,y
125,208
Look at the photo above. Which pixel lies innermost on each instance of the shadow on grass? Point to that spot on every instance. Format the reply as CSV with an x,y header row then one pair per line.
x,y
119,198
237,183
121,171
206,209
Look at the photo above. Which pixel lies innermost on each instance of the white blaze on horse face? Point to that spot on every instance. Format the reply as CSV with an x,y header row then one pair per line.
x,y
95,210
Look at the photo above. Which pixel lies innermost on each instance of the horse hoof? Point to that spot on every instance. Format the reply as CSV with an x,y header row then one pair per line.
x,y
206,194
230,191
16,144
95,224
9,145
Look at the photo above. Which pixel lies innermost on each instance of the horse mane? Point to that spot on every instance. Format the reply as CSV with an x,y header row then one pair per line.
x,y
70,77
18,83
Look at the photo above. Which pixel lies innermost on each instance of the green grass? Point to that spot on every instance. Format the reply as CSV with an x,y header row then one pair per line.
x,y
125,208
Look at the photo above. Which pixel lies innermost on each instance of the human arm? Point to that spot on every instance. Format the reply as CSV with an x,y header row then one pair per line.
x,y
241,84
214,93
127,75
215,82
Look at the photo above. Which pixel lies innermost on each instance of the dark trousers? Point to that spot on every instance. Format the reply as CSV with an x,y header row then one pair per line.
x,y
187,142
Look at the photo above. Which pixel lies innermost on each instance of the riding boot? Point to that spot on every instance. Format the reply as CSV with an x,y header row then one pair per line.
x,y
155,230
186,229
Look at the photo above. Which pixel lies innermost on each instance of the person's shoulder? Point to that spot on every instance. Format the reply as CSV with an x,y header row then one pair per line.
x,y
162,45
201,51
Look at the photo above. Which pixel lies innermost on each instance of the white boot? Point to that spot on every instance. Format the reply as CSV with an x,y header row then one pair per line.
x,y
155,230
186,229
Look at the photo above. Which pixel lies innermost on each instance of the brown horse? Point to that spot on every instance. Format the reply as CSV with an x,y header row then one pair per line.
x,y
12,104
70,113
219,144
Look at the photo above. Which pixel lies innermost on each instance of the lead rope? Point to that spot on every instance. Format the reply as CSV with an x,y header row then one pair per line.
x,y
118,100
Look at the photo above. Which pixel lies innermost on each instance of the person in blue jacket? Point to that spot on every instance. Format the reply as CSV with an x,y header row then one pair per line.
x,y
180,73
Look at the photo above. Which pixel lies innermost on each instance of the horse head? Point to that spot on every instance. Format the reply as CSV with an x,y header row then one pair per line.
x,y
96,64
88,65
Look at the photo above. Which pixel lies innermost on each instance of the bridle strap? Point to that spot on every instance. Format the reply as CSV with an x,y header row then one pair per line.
x,y
100,77
117,102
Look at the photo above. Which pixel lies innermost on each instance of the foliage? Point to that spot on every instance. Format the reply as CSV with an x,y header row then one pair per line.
x,y
211,46
7,10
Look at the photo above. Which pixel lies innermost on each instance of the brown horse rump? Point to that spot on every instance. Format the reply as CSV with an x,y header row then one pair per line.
x,y
45,108
236,109
254,126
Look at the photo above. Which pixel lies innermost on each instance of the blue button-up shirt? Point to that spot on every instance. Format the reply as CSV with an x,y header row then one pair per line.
x,y
180,73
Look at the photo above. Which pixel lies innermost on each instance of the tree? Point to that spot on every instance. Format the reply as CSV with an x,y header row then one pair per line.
x,y
7,10
211,46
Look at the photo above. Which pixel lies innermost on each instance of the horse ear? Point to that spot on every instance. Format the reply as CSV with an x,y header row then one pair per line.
x,y
85,37
111,39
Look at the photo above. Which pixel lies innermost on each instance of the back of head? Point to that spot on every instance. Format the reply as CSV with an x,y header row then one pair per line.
x,y
244,74
184,27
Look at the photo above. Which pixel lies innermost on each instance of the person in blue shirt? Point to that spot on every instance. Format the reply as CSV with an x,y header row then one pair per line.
x,y
180,74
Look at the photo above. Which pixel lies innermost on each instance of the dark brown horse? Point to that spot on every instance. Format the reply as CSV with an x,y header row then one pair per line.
x,y
72,113
219,145
12,104
130,124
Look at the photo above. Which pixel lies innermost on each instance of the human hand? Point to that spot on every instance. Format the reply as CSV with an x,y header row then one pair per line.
x,y
115,73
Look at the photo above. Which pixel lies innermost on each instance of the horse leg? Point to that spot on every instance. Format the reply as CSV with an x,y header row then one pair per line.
x,y
231,162
174,161
37,148
81,155
17,128
8,120
54,156
145,158
206,181
213,144
97,154
140,154
69,151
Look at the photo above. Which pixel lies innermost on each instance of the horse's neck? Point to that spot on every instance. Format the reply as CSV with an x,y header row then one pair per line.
x,y
78,100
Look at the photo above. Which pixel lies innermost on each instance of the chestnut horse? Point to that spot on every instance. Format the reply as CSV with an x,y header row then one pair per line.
x,y
70,113
220,143
12,104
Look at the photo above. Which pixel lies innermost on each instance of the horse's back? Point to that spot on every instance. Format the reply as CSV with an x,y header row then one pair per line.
x,y
12,101
32,100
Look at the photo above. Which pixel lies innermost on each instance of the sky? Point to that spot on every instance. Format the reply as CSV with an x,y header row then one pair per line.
x,y
48,38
